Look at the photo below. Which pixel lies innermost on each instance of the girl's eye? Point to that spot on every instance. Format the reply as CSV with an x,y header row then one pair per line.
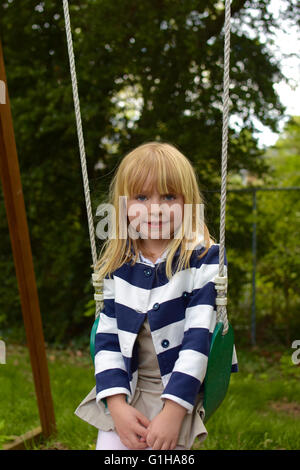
x,y
166,195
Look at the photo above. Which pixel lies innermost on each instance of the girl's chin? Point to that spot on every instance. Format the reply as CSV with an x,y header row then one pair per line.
x,y
149,231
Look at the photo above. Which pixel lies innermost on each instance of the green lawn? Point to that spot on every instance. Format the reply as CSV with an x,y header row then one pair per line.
x,y
261,410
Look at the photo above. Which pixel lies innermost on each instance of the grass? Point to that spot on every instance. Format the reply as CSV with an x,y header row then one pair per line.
x,y
71,378
261,409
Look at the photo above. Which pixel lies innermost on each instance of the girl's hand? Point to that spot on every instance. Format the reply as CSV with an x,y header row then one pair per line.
x,y
130,424
164,429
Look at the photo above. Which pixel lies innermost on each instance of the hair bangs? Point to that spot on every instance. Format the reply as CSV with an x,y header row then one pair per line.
x,y
153,168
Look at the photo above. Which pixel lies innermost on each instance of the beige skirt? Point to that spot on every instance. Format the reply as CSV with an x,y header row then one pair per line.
x,y
146,398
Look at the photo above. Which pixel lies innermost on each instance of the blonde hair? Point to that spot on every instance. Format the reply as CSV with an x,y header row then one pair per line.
x,y
173,173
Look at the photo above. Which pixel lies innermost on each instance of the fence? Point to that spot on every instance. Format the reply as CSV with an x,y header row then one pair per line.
x,y
254,191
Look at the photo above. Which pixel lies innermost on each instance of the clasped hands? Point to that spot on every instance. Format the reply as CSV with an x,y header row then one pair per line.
x,y
137,432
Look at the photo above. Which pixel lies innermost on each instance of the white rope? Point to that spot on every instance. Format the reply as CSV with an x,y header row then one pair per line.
x,y
81,145
221,284
221,281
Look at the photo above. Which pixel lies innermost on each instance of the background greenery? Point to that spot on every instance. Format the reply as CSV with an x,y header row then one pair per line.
x,y
144,74
151,71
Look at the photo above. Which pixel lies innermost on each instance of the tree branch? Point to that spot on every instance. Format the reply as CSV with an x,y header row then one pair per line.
x,y
214,27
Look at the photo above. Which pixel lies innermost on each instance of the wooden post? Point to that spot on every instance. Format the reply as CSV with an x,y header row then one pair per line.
x,y
21,247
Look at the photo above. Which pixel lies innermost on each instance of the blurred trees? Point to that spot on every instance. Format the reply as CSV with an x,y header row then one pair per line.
x,y
145,71
278,216
278,250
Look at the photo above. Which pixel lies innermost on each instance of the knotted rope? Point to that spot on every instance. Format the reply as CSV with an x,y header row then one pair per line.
x,y
97,284
221,280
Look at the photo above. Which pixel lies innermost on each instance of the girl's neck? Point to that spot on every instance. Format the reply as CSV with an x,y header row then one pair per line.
x,y
154,250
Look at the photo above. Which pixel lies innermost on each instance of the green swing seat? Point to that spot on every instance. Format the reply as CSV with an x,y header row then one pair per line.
x,y
218,367
93,338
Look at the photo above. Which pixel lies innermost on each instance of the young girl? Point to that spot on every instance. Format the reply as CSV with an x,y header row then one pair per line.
x,y
159,312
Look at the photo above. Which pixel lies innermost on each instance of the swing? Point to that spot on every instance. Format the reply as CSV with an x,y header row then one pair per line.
x,y
221,349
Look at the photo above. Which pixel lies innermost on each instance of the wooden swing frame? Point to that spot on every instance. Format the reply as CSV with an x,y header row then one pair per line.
x,y
21,248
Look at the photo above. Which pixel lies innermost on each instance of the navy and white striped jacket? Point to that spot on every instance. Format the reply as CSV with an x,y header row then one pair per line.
x,y
182,317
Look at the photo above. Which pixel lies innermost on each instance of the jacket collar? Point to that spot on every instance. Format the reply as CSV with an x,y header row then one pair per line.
x,y
164,255
200,246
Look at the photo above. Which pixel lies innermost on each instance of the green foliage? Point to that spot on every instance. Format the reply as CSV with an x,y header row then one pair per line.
x,y
143,73
277,259
279,234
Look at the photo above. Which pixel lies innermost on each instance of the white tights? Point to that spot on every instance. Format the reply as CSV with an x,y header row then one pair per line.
x,y
109,440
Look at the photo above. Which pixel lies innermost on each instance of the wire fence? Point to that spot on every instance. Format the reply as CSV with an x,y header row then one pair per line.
x,y
254,191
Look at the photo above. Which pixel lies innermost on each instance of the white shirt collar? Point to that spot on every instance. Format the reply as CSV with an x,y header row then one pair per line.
x,y
164,255
148,261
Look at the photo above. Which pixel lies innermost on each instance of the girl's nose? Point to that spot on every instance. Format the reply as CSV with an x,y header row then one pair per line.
x,y
155,206
155,199
155,209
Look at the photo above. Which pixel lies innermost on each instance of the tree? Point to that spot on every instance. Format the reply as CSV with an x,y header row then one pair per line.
x,y
279,234
167,56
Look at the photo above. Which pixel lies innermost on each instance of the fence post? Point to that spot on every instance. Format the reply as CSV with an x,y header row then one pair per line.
x,y
253,313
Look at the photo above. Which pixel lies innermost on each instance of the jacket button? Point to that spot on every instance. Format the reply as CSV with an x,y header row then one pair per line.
x,y
147,272
185,294
165,343
156,306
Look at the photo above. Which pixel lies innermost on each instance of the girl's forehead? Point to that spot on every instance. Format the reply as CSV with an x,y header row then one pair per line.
x,y
150,189
151,184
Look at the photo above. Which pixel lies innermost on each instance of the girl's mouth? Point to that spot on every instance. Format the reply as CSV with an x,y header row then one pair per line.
x,y
156,224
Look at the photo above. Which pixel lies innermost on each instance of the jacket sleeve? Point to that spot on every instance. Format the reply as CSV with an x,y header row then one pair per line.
x,y
200,320
110,371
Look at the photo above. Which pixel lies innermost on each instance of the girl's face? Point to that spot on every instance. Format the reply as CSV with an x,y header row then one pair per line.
x,y
154,215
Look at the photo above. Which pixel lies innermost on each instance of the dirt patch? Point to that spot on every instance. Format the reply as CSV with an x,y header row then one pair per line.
x,y
290,408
